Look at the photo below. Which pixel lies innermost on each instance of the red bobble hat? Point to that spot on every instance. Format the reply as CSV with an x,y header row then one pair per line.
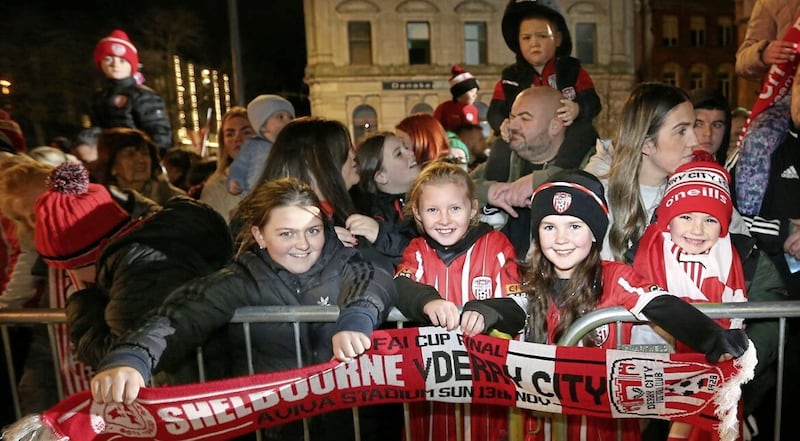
x,y
74,218
697,186
461,82
117,44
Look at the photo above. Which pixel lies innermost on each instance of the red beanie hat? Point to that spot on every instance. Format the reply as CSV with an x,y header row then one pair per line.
x,y
698,186
75,218
117,44
461,82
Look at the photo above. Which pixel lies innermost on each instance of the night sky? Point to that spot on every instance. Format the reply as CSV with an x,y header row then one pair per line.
x,y
272,38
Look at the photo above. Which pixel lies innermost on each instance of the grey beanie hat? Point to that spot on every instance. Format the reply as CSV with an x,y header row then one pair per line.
x,y
263,106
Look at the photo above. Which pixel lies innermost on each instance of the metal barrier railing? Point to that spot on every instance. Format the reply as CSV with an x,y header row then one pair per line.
x,y
301,314
745,310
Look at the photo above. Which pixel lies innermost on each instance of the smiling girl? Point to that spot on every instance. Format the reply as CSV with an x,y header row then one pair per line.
x,y
386,168
289,256
566,279
464,260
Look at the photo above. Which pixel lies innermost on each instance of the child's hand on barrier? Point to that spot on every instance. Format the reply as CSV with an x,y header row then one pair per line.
x,y
349,344
117,385
442,313
472,323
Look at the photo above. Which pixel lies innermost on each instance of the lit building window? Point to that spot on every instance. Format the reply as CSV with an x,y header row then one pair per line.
x,y
475,43
725,31
585,37
697,31
365,121
419,43
359,38
669,30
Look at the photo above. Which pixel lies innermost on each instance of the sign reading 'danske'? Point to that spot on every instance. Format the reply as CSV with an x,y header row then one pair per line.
x,y
407,85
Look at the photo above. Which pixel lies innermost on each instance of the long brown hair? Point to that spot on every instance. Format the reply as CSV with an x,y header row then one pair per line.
x,y
314,151
577,297
642,116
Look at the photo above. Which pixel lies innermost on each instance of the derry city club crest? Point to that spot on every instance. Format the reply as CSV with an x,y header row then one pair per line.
x,y
561,202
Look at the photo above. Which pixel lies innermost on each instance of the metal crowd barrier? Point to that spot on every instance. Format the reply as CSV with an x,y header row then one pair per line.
x,y
301,314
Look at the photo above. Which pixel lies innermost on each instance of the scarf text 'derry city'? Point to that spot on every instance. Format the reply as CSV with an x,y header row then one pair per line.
x,y
432,364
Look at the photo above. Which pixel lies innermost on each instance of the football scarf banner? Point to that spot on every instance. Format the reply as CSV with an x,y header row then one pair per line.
x,y
417,364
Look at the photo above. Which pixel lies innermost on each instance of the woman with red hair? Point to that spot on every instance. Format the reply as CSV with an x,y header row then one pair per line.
x,y
423,134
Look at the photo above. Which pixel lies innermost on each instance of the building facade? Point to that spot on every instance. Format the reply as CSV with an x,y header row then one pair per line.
x,y
373,62
693,45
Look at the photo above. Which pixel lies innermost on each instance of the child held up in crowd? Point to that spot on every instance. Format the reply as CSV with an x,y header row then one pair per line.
x,y
464,260
461,109
124,101
566,279
268,114
540,38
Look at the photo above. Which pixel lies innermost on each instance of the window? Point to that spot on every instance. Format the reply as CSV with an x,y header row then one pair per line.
x,y
725,31
698,75
419,43
475,43
365,121
669,30
670,74
421,108
725,80
697,31
359,39
585,36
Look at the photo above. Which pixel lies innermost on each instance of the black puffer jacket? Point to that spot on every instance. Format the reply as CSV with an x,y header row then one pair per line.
x,y
363,290
183,240
123,103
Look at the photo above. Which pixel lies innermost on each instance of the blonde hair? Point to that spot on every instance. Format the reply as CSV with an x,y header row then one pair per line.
x,y
17,176
642,117
436,173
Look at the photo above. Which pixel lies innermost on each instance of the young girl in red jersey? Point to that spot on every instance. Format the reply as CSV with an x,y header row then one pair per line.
x,y
464,260
566,279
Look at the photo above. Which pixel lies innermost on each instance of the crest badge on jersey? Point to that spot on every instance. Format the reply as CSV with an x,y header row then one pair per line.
x,y
569,93
561,202
120,101
482,287
551,81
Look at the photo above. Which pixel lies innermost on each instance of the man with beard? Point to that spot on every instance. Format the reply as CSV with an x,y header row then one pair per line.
x,y
536,134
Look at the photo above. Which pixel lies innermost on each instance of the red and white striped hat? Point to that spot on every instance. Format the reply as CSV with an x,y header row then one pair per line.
x,y
119,45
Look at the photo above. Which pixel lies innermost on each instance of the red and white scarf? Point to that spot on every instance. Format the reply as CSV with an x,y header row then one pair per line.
x,y
714,277
417,364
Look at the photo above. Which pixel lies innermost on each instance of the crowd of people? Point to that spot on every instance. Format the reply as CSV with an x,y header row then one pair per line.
x,y
150,249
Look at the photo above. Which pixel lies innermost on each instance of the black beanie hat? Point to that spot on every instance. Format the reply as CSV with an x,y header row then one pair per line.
x,y
461,82
571,193
518,10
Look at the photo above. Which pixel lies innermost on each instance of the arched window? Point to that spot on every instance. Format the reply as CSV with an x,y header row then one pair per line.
x,y
365,121
671,74
698,77
421,108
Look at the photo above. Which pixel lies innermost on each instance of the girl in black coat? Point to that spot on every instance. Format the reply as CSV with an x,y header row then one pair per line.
x,y
289,256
